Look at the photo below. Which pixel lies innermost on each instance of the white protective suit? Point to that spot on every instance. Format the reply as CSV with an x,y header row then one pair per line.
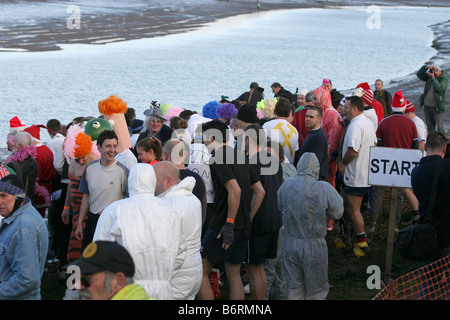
x,y
187,280
306,202
150,229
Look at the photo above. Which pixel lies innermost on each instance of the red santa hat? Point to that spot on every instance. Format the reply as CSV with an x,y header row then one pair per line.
x,y
35,129
16,124
367,94
398,102
409,107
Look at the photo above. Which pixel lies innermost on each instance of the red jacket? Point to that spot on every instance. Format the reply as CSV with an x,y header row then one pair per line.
x,y
378,107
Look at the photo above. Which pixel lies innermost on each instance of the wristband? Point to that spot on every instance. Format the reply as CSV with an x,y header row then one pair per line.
x,y
66,207
231,220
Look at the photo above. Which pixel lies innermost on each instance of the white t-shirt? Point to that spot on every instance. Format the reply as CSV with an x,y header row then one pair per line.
x,y
56,146
127,158
422,130
104,184
199,163
194,121
372,115
360,136
282,131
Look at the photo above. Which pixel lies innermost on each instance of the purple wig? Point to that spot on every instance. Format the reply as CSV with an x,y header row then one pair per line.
x,y
226,111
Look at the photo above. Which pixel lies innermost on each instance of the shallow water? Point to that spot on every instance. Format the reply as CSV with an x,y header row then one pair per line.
x,y
296,48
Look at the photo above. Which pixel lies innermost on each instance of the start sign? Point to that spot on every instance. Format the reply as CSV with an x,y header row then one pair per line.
x,y
392,167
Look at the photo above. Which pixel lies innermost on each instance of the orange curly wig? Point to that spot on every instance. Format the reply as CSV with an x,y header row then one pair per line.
x,y
84,145
111,105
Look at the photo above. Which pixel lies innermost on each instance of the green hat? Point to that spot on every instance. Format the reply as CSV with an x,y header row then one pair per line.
x,y
96,126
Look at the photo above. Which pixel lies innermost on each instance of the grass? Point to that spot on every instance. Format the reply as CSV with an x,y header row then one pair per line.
x,y
349,275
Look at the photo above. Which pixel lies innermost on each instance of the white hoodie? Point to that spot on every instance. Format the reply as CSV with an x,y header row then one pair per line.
x,y
150,229
187,280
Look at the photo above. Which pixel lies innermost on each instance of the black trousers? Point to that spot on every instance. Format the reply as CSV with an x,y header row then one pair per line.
x,y
89,230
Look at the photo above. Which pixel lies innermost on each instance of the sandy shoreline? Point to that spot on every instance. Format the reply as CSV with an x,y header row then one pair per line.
x,y
167,17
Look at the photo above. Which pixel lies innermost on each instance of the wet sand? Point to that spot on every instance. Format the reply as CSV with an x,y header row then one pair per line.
x,y
141,19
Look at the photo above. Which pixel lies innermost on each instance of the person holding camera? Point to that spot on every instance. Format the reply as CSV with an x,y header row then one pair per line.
x,y
433,97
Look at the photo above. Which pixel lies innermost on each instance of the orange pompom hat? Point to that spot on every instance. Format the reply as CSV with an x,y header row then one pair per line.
x,y
84,145
112,105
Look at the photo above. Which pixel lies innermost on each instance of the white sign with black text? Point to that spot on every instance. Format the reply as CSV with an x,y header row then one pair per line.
x,y
392,167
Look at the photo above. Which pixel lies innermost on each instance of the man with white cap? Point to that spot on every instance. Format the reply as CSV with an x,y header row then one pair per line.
x,y
24,243
395,131
301,99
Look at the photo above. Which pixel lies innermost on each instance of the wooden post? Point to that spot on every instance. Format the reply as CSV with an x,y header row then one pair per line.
x,y
390,239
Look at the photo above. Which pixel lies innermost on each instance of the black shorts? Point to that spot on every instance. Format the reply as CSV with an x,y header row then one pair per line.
x,y
356,191
212,247
261,247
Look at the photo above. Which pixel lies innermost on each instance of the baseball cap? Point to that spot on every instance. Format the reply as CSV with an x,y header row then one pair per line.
x,y
105,256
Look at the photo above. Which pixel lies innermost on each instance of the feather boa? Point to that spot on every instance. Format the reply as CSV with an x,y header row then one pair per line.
x,y
22,154
41,191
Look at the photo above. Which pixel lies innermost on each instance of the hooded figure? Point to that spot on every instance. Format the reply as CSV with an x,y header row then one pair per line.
x,y
150,229
305,203
186,282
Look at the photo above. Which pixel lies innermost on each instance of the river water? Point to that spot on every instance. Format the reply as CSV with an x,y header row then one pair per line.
x,y
297,48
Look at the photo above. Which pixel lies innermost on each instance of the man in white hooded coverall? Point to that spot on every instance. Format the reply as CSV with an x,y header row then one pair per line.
x,y
150,229
187,280
305,203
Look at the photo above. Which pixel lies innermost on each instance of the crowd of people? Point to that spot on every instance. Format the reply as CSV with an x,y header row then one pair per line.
x,y
152,208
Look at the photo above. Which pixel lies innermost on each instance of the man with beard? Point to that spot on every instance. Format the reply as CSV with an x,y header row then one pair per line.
x,y
107,271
